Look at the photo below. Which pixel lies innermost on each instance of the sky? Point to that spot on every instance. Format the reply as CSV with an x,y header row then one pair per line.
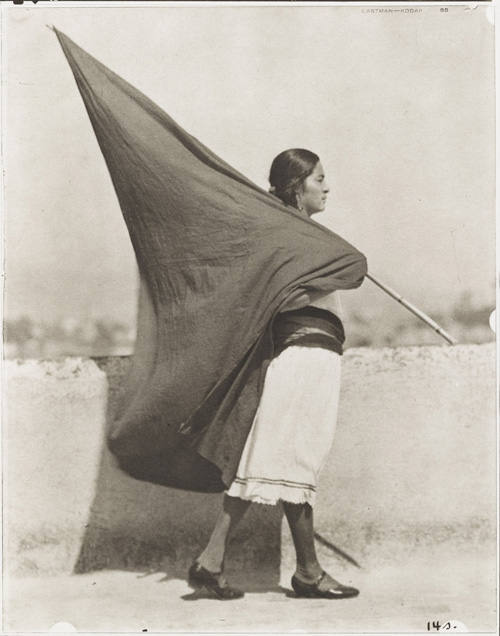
x,y
399,106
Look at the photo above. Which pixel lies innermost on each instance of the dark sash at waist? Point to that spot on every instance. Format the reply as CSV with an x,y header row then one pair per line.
x,y
308,327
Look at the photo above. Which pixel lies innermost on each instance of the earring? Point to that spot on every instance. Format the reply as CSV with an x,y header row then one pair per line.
x,y
299,203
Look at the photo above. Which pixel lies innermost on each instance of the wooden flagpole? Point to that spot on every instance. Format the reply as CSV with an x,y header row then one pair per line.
x,y
413,309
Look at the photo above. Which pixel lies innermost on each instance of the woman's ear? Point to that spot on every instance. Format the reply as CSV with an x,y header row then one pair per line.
x,y
298,198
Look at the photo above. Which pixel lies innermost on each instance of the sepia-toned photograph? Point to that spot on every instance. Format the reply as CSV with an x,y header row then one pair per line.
x,y
249,352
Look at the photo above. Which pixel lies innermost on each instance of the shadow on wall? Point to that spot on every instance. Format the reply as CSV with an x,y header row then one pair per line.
x,y
143,527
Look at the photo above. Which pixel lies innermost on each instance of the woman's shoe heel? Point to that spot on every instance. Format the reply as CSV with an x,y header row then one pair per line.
x,y
201,578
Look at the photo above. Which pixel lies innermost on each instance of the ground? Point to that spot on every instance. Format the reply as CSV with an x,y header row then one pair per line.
x,y
399,598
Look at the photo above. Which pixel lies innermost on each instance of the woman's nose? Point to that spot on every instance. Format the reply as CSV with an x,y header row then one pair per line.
x,y
326,188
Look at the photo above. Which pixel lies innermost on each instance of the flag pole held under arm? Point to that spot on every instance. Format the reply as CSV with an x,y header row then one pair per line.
x,y
413,309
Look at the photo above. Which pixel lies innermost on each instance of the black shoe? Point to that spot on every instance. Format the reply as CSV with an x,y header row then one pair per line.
x,y
312,590
214,582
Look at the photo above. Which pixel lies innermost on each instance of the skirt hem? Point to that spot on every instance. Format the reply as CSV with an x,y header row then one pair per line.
x,y
272,494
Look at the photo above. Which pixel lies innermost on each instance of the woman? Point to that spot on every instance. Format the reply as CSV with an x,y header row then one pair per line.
x,y
218,260
294,426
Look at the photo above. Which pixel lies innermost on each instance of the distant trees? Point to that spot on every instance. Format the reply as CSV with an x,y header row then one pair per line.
x,y
25,337
22,335
469,313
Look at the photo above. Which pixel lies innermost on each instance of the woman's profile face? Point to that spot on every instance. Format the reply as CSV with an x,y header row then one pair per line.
x,y
312,196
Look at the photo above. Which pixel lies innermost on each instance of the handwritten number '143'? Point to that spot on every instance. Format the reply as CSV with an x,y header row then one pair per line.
x,y
437,626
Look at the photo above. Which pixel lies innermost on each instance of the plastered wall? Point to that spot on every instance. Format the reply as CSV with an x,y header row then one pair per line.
x,y
414,460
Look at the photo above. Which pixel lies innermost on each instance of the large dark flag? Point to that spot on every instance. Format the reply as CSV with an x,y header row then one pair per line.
x,y
218,258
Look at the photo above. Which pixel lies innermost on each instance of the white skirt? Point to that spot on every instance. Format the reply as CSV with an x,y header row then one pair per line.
x,y
293,429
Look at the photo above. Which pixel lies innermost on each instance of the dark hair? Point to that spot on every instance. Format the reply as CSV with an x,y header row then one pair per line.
x,y
288,172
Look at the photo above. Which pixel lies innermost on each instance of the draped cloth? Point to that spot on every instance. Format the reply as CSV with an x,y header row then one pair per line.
x,y
218,258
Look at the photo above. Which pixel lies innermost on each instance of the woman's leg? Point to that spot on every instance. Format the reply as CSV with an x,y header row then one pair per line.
x,y
300,520
233,510
309,578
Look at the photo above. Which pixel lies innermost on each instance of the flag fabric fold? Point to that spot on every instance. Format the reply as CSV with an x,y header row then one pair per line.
x,y
218,258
